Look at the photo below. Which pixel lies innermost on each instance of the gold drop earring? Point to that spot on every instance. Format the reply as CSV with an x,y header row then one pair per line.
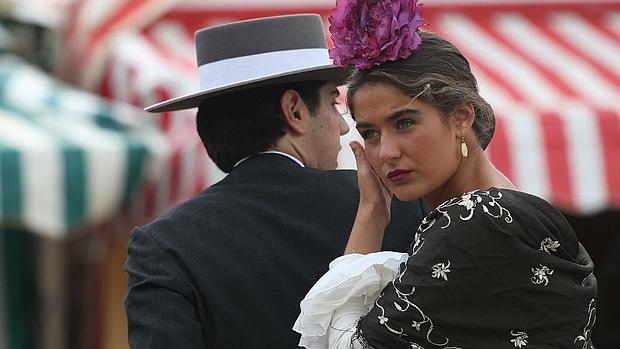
x,y
464,150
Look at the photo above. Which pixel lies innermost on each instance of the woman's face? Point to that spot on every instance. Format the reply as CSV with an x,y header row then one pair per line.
x,y
410,145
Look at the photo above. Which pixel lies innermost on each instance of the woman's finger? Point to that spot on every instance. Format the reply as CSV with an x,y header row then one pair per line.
x,y
360,156
363,166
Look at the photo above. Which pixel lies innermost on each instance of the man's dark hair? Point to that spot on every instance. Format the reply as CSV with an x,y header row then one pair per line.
x,y
236,125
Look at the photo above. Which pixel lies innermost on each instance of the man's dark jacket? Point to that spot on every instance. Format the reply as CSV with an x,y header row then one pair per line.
x,y
228,268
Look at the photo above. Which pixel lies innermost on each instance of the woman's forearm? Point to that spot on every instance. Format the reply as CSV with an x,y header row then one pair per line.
x,y
367,233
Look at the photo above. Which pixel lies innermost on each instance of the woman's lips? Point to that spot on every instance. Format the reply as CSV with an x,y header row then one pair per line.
x,y
397,175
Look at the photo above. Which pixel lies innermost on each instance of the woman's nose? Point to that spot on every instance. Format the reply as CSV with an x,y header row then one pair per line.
x,y
388,149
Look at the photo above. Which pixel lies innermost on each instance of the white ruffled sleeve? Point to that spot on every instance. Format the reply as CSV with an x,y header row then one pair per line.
x,y
330,310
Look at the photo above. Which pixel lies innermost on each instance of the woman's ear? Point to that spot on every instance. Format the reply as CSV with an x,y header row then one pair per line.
x,y
294,111
463,117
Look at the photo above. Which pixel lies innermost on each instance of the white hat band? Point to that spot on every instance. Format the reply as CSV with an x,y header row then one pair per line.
x,y
247,68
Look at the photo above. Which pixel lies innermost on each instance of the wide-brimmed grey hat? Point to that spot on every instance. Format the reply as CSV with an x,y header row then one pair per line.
x,y
258,52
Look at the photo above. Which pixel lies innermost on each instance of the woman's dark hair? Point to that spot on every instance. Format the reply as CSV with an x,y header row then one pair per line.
x,y
439,64
239,124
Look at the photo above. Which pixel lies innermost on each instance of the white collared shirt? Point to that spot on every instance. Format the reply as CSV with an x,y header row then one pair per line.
x,y
273,152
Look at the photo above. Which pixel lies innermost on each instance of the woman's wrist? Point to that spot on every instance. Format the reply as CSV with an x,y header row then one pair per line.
x,y
376,216
367,233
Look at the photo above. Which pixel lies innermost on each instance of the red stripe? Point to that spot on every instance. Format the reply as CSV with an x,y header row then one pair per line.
x,y
106,88
544,73
161,94
484,10
176,168
69,65
200,181
605,73
606,28
558,169
491,72
120,14
196,19
609,128
499,149
185,64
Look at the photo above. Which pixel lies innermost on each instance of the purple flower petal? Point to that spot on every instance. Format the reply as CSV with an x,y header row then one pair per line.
x,y
370,32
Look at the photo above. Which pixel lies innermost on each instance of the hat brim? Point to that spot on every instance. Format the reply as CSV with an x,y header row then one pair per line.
x,y
332,73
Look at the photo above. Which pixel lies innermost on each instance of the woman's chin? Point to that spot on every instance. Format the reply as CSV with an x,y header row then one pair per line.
x,y
406,195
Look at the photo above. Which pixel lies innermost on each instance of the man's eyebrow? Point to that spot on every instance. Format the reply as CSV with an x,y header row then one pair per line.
x,y
391,116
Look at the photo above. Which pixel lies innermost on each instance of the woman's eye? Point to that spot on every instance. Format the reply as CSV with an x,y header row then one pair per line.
x,y
369,134
403,123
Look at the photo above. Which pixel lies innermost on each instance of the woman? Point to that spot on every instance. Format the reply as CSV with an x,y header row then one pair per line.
x,y
490,267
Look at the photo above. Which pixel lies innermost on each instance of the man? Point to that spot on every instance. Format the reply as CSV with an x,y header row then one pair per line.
x,y
228,268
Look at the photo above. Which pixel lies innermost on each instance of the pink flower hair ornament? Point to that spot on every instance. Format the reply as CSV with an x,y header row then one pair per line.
x,y
366,33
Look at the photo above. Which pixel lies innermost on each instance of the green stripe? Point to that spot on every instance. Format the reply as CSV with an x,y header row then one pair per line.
x,y
10,183
20,297
136,161
104,119
4,80
74,184
4,315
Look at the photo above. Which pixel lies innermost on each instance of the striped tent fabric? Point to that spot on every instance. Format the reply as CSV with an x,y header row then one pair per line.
x,y
70,162
123,64
91,28
68,159
551,73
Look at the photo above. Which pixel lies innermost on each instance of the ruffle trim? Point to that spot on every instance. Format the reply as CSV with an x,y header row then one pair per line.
x,y
350,276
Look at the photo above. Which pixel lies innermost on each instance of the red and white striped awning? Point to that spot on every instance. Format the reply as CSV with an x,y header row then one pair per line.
x,y
552,74
550,69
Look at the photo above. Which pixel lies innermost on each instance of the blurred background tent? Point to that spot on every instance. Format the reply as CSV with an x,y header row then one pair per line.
x,y
78,169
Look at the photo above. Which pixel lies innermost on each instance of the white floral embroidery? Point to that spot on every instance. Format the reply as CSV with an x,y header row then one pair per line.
x,y
415,346
422,323
441,270
382,319
541,275
466,200
418,242
521,339
587,330
549,245
470,201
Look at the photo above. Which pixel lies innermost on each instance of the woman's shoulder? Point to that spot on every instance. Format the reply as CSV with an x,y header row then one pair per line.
x,y
483,214
473,207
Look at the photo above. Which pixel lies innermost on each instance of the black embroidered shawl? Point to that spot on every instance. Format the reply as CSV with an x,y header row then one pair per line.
x,y
496,269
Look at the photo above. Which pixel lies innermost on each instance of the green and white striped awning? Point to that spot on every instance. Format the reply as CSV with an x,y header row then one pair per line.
x,y
72,162
68,159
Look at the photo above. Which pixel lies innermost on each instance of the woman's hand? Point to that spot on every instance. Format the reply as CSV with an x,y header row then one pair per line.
x,y
373,212
374,195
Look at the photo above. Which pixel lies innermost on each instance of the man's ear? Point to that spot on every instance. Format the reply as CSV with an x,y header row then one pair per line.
x,y
463,117
294,111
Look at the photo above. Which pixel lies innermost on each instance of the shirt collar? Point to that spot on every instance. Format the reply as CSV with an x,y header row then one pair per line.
x,y
273,152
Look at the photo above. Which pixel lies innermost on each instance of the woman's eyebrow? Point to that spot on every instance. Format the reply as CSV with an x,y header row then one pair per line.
x,y
391,116
401,112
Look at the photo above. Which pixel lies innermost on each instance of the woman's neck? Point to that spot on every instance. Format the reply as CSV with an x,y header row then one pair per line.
x,y
475,172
